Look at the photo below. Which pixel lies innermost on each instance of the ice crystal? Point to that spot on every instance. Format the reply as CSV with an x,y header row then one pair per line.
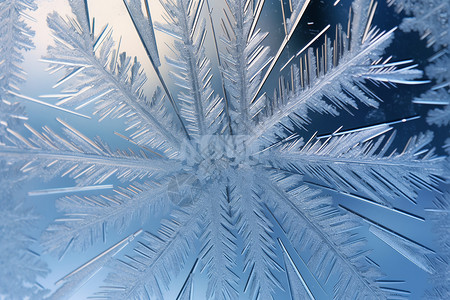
x,y
243,186
19,265
431,19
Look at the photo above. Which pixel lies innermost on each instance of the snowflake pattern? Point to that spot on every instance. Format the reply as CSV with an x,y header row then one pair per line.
x,y
242,186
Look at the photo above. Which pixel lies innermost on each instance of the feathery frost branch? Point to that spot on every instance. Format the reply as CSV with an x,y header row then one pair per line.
x,y
360,163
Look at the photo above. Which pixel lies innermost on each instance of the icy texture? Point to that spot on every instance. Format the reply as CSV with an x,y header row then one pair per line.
x,y
441,278
431,18
226,169
20,267
15,36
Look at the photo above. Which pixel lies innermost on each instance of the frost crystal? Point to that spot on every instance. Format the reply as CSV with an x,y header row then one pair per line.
x,y
431,19
19,265
243,186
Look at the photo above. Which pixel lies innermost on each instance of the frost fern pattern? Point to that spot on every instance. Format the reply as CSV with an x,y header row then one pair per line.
x,y
230,167
21,265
